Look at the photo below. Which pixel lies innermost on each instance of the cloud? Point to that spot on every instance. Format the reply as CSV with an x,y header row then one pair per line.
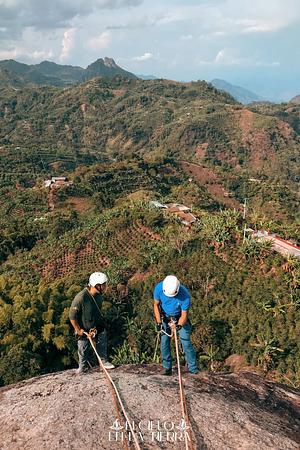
x,y
187,37
41,54
17,15
226,16
101,41
145,57
230,57
16,52
141,21
67,43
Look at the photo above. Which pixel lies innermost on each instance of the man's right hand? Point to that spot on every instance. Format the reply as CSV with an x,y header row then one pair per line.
x,y
80,332
158,327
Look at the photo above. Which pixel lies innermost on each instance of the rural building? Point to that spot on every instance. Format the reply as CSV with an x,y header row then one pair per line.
x,y
278,244
176,207
180,211
158,204
57,182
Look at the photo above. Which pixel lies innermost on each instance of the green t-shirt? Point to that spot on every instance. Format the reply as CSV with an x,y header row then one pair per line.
x,y
84,309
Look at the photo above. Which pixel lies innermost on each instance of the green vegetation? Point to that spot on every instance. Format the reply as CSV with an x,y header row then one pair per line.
x,y
120,142
245,298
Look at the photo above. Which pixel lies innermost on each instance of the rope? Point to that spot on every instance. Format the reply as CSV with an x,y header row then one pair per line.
x,y
116,396
156,346
184,410
164,332
157,341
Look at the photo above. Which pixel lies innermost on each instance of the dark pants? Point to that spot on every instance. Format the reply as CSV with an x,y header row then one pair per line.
x,y
85,351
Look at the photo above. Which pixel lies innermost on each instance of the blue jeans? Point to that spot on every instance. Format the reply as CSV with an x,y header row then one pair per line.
x,y
189,351
85,351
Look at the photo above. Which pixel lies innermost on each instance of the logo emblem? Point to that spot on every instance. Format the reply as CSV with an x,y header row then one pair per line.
x,y
116,426
182,426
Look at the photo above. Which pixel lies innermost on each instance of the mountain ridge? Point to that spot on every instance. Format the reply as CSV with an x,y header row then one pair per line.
x,y
49,73
241,94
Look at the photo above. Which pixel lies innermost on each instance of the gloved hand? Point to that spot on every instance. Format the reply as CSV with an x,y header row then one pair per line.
x,y
158,327
178,327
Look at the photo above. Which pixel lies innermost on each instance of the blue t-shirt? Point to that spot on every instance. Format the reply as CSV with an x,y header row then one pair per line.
x,y
172,306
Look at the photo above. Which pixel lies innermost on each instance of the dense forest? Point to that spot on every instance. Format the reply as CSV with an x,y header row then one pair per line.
x,y
122,143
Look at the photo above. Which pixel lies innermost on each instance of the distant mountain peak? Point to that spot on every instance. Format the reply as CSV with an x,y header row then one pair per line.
x,y
106,67
109,62
48,63
239,93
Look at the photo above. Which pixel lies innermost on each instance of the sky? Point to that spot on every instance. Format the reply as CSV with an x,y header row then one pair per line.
x,y
251,43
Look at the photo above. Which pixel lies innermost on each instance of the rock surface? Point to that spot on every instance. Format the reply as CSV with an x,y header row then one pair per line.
x,y
227,411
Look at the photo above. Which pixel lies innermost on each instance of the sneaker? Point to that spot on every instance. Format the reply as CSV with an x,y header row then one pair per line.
x,y
195,372
167,372
81,371
108,365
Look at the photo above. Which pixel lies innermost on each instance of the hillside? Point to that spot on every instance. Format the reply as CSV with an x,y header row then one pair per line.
x,y
227,411
240,94
8,78
295,100
48,129
48,73
136,245
122,143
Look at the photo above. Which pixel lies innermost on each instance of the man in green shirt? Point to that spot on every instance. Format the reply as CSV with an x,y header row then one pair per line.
x,y
85,315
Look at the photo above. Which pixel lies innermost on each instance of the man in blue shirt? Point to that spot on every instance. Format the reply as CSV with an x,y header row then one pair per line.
x,y
171,305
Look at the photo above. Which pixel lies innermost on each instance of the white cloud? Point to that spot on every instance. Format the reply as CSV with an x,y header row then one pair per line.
x,y
17,15
11,53
229,17
17,52
186,37
230,57
41,54
101,41
257,25
221,56
145,57
67,43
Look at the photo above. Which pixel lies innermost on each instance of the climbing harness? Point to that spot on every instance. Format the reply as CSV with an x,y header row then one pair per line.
x,y
117,399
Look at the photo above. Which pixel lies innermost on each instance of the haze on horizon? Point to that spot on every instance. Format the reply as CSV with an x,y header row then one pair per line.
x,y
247,42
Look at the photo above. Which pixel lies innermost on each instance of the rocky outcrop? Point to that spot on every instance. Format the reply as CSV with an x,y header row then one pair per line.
x,y
227,411
295,99
105,68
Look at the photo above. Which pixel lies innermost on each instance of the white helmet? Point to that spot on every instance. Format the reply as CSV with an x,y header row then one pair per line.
x,y
171,286
97,278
